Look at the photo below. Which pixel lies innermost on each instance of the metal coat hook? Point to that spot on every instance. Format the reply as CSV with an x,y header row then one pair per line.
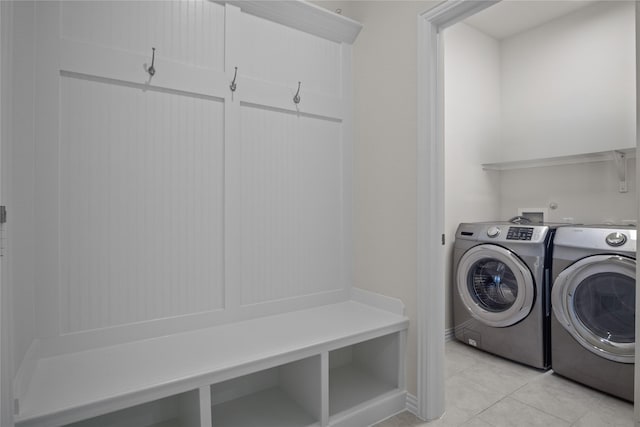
x,y
151,70
233,85
296,97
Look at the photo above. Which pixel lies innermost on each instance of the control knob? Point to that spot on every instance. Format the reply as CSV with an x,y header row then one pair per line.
x,y
616,239
493,231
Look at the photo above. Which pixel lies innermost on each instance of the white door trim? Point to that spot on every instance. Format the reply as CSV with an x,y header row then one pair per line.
x,y
636,413
6,314
430,201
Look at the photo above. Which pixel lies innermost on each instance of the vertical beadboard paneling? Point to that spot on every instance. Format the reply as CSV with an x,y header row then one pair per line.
x,y
291,205
274,53
141,204
187,31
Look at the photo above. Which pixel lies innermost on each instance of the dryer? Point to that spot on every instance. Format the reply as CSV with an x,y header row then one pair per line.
x,y
593,299
501,289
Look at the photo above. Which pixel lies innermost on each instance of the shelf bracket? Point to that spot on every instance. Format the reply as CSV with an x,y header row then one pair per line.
x,y
621,164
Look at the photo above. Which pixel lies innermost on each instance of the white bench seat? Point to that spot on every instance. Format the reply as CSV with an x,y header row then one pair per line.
x,y
77,386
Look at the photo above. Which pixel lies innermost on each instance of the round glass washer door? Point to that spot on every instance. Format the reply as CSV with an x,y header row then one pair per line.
x,y
495,285
594,300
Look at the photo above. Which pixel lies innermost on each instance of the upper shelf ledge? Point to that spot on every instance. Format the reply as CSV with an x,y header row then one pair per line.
x,y
303,16
562,160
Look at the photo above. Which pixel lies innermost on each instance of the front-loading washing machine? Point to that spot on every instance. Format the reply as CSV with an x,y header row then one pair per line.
x,y
593,300
501,290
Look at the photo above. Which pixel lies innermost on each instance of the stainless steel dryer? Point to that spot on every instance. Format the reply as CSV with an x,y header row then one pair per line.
x,y
501,291
593,299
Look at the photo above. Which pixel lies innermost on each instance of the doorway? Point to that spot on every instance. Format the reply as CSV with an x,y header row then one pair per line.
x,y
431,199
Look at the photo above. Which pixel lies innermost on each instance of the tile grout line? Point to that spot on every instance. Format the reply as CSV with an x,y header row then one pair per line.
x,y
570,423
540,378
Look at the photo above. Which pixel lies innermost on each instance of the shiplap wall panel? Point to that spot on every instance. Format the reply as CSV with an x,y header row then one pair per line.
x,y
187,31
141,204
281,55
292,206
171,203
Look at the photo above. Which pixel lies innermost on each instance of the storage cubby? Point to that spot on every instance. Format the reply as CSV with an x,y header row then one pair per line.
x,y
182,410
362,372
284,396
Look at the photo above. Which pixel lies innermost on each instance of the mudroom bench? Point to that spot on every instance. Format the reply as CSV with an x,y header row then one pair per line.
x,y
334,365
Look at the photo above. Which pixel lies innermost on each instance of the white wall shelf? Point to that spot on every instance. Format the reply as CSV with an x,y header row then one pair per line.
x,y
304,16
601,156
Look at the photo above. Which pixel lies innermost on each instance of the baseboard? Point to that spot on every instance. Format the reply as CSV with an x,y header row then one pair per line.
x,y
449,334
412,404
412,401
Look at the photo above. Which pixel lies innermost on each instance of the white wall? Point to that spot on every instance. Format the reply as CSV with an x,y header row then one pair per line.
x,y
472,132
584,193
385,153
568,85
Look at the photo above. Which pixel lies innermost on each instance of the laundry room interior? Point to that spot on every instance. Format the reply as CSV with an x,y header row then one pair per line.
x,y
213,212
540,115
540,133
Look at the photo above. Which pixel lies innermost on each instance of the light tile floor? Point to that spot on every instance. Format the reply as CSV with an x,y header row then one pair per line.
x,y
482,390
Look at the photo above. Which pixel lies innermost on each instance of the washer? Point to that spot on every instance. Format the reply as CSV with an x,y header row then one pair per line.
x,y
593,299
501,292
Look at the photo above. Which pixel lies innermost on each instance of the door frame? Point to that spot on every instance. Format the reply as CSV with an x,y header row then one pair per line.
x,y
430,200
636,408
6,313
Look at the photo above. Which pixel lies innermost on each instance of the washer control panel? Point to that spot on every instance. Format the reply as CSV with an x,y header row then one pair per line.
x,y
520,233
503,232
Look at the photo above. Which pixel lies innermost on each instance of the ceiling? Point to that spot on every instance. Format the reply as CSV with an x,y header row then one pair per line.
x,y
510,17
